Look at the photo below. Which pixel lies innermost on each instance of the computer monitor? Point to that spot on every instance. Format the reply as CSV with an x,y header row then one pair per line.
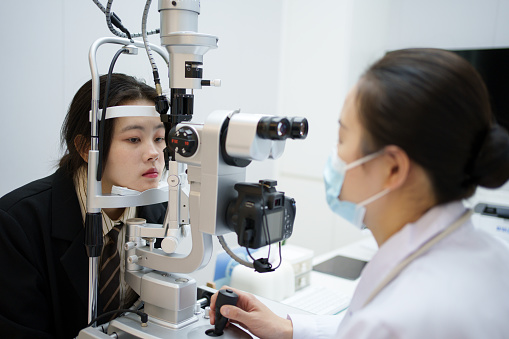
x,y
493,66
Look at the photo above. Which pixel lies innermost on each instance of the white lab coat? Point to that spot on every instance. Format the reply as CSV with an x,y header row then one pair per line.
x,y
458,289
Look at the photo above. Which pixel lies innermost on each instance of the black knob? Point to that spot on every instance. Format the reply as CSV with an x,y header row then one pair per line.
x,y
224,297
183,141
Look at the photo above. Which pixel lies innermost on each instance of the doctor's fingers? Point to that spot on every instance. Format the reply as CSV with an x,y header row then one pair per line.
x,y
260,321
241,301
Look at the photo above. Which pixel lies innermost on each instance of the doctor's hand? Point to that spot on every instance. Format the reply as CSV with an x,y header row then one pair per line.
x,y
254,316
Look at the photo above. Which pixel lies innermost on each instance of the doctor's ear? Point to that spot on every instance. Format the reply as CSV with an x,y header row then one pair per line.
x,y
398,167
82,146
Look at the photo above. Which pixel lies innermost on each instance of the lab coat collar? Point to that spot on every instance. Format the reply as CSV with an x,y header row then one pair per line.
x,y
399,246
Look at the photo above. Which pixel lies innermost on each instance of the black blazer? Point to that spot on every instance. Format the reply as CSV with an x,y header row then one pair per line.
x,y
44,279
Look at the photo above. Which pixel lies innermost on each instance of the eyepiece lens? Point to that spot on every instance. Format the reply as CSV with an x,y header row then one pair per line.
x,y
273,128
302,130
299,128
281,129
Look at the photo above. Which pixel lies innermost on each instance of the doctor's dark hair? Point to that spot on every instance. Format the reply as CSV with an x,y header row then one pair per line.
x,y
123,88
434,105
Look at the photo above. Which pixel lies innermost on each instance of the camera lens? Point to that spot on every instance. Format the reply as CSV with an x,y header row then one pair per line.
x,y
299,129
273,128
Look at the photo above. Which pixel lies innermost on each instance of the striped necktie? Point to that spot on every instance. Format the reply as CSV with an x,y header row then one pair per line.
x,y
109,277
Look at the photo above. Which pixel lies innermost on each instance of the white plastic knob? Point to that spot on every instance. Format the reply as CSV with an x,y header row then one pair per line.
x,y
197,308
169,245
129,245
173,180
133,259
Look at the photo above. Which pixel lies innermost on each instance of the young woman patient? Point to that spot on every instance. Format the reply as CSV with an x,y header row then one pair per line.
x,y
44,286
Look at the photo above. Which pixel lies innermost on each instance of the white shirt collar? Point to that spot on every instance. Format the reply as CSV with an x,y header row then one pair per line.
x,y
80,184
400,245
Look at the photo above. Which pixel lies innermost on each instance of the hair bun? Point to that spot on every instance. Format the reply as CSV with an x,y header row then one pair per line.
x,y
491,167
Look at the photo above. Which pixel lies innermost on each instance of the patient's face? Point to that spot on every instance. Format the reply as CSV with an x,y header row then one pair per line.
x,y
135,158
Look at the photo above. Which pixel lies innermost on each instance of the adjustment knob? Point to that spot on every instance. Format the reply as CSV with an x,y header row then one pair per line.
x,y
169,244
184,141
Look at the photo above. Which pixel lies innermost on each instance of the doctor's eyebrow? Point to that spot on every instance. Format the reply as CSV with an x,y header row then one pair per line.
x,y
341,124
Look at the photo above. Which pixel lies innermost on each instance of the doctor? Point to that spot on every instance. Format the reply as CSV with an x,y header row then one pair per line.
x,y
416,136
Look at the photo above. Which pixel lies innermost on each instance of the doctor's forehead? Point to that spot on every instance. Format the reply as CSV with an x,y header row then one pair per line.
x,y
348,116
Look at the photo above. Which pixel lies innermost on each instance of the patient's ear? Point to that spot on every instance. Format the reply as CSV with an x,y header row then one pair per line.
x,y
82,145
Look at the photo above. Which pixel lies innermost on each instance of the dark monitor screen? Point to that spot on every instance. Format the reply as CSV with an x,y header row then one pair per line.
x,y
343,267
493,66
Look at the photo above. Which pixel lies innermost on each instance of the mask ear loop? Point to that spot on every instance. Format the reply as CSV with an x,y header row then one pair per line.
x,y
363,160
379,194
362,204
361,209
375,197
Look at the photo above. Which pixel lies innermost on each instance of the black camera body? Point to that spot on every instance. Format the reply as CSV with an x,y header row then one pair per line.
x,y
260,215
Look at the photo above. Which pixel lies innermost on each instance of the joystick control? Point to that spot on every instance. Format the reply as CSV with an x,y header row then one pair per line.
x,y
224,297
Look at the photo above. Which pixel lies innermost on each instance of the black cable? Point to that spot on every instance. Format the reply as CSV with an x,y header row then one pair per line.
x,y
280,257
268,236
249,253
115,20
266,228
103,116
263,264
143,315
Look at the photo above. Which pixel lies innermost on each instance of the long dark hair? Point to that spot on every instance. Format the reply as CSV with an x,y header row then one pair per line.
x,y
435,106
123,88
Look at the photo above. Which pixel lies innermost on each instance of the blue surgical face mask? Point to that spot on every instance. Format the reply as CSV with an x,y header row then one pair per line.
x,y
334,175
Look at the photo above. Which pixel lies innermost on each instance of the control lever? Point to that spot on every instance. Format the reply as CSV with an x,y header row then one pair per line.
x,y
224,297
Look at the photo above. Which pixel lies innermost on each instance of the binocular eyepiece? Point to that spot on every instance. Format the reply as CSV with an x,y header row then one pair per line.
x,y
280,128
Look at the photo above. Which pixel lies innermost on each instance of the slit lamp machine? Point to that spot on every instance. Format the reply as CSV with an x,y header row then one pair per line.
x,y
207,194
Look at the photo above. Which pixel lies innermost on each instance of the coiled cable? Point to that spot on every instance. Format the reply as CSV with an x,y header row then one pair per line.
x,y
112,19
232,254
144,33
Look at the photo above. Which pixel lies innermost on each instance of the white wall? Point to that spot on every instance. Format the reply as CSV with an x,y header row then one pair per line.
x,y
326,46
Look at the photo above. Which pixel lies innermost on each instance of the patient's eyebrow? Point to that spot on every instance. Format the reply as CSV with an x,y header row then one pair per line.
x,y
140,127
131,127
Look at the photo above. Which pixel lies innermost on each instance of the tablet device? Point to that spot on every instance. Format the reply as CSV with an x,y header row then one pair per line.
x,y
343,267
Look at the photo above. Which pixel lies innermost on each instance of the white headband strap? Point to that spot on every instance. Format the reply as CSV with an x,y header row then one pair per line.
x,y
127,111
